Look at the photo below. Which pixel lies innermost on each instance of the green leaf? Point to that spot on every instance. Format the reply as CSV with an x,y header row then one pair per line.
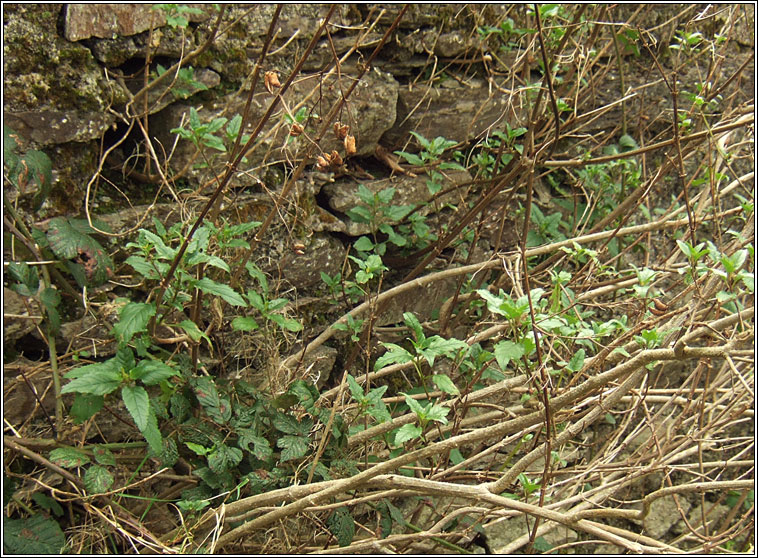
x,y
506,351
70,239
261,448
95,379
412,322
97,479
445,384
413,159
363,244
152,372
68,458
26,275
103,456
137,403
396,354
244,323
293,447
407,432
224,458
85,407
152,434
342,526
438,413
198,449
194,332
414,405
218,408
208,286
577,361
133,318
35,536
285,323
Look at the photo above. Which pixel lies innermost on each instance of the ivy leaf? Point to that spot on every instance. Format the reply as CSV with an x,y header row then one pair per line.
x,y
293,447
68,458
209,286
133,318
97,479
137,403
342,526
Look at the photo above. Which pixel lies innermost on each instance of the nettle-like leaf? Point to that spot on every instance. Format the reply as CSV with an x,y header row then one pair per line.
x,y
68,458
506,351
104,456
152,372
445,384
395,355
211,287
137,403
70,239
133,318
85,407
342,526
94,379
152,434
407,432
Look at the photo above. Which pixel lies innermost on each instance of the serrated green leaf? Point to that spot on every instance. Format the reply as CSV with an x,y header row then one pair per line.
x,y
152,372
26,275
342,526
224,458
577,361
285,323
35,536
191,329
407,432
437,413
363,244
133,318
290,425
85,407
396,354
103,456
506,351
445,384
137,403
208,286
152,434
98,379
261,448
70,240
293,447
244,323
97,479
68,458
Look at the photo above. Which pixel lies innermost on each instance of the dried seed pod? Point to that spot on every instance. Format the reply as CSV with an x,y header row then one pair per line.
x,y
322,162
336,160
341,130
659,308
350,145
271,81
296,129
